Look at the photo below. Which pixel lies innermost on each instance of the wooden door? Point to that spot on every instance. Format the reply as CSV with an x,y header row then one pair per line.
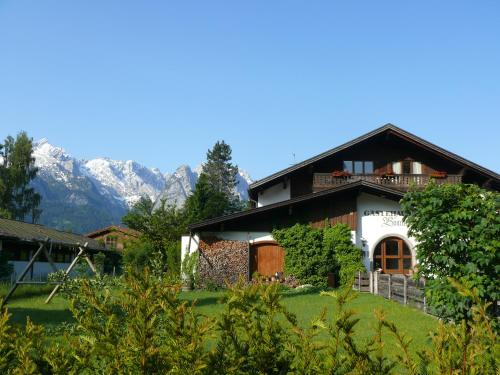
x,y
393,256
267,259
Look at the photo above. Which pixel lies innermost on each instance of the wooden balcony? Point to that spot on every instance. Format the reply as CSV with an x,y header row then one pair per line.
x,y
323,181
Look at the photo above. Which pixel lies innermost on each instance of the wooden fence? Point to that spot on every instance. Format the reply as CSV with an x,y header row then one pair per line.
x,y
400,288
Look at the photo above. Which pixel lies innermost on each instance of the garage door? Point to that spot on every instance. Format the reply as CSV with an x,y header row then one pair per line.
x,y
267,259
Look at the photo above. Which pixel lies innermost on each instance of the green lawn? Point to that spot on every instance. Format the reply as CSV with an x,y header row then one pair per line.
x,y
29,301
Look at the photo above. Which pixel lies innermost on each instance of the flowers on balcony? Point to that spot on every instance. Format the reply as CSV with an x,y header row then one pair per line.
x,y
340,173
439,174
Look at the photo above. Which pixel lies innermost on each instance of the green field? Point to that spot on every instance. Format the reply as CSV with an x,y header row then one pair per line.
x,y
307,305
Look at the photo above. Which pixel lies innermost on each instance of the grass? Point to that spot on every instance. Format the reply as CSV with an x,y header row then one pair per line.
x,y
307,305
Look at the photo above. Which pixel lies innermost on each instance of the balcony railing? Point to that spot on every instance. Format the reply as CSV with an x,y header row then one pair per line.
x,y
400,181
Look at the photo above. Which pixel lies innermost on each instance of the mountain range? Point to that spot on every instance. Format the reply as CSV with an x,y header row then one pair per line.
x,y
83,195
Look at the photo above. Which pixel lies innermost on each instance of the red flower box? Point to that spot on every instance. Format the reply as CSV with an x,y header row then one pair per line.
x,y
340,174
439,174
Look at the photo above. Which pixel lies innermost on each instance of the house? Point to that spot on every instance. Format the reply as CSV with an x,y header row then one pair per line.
x,y
114,237
359,183
19,242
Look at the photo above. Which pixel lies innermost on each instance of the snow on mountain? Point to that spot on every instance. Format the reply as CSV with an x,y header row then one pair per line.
x,y
82,195
181,183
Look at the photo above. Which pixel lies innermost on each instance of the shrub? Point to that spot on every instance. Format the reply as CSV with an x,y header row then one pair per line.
x,y
144,328
313,253
457,228
337,242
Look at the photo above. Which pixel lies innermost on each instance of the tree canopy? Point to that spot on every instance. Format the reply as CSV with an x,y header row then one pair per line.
x,y
18,199
215,192
457,228
161,230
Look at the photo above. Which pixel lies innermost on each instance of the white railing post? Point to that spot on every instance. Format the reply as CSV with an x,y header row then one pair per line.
x,y
405,291
390,286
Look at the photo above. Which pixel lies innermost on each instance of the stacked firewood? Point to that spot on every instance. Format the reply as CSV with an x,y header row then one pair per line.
x,y
222,261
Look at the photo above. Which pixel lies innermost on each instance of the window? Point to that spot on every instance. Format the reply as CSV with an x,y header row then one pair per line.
x,y
111,242
392,255
369,167
358,167
348,166
407,167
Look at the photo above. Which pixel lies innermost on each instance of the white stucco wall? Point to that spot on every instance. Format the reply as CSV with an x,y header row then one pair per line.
x,y
379,218
40,269
189,247
274,194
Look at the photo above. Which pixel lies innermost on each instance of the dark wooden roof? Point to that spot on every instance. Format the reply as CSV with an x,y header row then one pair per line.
x,y
25,232
361,185
113,228
386,128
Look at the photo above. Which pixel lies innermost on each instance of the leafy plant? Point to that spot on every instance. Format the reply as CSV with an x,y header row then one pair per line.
x,y
457,228
313,253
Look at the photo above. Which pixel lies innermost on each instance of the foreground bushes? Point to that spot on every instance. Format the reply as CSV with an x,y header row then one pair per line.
x,y
143,328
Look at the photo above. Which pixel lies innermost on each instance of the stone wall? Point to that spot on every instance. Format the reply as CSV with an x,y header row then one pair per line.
x,y
222,261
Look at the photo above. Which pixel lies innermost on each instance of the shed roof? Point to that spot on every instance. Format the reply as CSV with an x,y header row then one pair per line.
x,y
26,232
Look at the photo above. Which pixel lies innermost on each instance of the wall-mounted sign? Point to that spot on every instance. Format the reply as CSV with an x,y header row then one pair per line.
x,y
389,218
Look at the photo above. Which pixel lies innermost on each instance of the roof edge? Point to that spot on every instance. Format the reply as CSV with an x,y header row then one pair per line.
x,y
338,189
366,136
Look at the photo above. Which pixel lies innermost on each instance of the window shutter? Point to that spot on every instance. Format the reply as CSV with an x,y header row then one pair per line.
x,y
417,167
396,167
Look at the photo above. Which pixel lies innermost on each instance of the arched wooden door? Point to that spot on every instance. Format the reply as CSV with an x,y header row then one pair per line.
x,y
267,258
392,255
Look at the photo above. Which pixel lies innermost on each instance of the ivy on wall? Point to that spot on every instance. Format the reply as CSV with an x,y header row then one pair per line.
x,y
311,254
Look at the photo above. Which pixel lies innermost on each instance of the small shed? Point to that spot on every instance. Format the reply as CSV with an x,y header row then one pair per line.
x,y
28,245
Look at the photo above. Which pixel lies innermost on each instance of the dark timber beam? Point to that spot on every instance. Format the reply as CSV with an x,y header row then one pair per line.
x,y
25,271
81,253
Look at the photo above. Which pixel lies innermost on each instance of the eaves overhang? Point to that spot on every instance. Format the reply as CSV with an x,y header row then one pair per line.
x,y
388,127
365,186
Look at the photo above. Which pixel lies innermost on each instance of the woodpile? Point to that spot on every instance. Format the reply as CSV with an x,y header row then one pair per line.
x,y
222,261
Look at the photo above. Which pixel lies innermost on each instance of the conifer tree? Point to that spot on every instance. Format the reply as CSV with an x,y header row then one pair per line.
x,y
215,192
17,169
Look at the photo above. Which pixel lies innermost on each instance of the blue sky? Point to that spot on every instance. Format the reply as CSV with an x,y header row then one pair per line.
x,y
160,81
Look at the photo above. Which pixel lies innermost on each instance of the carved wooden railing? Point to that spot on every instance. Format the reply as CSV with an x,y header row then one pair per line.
x,y
404,181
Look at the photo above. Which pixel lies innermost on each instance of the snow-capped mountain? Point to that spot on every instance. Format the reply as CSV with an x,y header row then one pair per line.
x,y
82,195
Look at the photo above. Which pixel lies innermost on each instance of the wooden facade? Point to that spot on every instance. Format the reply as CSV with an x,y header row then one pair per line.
x,y
114,237
392,154
333,188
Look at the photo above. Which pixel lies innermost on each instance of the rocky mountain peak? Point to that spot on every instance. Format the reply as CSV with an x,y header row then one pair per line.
x,y
82,195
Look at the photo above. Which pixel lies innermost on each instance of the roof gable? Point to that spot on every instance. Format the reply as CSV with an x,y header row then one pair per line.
x,y
388,128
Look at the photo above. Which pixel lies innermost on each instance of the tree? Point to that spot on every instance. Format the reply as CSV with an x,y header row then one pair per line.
x,y
205,203
457,228
139,215
161,230
17,170
215,192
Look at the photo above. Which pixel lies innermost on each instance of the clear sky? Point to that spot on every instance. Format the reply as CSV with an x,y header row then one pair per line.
x,y
160,81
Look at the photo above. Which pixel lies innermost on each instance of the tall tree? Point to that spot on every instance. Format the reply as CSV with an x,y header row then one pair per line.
x,y
221,173
457,228
215,192
17,169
